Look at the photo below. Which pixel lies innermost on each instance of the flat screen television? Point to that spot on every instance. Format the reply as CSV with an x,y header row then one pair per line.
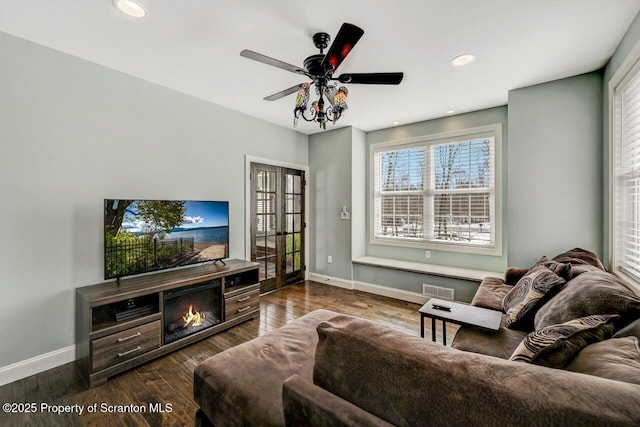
x,y
148,235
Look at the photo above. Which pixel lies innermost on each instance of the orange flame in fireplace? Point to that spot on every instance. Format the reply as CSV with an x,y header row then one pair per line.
x,y
192,318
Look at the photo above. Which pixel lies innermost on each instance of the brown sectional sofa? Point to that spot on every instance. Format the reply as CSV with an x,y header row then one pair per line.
x,y
327,369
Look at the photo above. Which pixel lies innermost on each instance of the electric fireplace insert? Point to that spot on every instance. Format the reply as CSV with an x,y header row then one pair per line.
x,y
192,309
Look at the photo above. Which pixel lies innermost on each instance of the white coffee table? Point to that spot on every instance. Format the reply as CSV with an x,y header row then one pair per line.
x,y
458,313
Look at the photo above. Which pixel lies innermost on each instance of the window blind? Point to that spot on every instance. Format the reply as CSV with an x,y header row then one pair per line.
x,y
436,191
627,136
400,184
463,189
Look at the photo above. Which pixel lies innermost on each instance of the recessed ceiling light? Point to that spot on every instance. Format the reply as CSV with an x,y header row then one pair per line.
x,y
450,111
396,123
130,7
464,59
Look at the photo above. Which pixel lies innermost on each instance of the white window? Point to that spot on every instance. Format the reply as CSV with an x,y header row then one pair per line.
x,y
626,172
438,192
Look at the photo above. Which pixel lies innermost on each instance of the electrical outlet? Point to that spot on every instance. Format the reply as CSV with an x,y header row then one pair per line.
x,y
427,254
329,259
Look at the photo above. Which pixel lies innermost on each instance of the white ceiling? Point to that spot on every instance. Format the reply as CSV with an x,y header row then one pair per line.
x,y
193,46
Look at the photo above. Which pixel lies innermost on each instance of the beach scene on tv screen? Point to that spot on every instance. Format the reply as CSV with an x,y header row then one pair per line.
x,y
148,235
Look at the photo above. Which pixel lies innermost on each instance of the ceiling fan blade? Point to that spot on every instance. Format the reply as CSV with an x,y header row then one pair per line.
x,y
372,78
283,93
346,38
271,61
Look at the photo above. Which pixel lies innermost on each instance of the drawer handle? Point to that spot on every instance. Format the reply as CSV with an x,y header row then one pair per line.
x,y
247,298
138,348
240,310
136,335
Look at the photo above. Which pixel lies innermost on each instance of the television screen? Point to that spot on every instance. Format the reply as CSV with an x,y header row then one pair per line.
x,y
148,235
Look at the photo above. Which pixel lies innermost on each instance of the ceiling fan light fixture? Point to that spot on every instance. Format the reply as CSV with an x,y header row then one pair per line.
x,y
462,60
320,68
130,8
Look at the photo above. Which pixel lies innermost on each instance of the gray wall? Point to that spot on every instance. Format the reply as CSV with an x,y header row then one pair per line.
x,y
73,133
555,168
464,290
330,189
629,41
358,193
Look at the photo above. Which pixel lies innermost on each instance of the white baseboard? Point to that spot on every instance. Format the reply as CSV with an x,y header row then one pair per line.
x,y
370,288
335,281
37,364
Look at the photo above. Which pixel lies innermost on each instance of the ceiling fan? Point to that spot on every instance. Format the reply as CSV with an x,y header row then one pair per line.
x,y
320,68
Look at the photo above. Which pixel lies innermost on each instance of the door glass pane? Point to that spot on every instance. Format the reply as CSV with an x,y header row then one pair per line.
x,y
297,204
289,263
296,241
270,267
260,180
290,203
270,224
271,181
271,245
296,261
289,243
297,184
290,223
290,184
297,222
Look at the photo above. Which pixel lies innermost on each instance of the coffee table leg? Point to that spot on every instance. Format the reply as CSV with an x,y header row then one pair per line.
x,y
421,325
433,329
444,332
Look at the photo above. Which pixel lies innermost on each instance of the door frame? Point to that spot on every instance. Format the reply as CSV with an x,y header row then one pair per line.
x,y
247,203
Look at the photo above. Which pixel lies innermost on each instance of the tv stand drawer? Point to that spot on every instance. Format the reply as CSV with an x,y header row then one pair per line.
x,y
121,346
240,304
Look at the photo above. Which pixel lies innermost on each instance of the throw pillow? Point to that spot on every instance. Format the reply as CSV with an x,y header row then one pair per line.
x,y
513,274
615,358
528,295
561,269
592,292
555,346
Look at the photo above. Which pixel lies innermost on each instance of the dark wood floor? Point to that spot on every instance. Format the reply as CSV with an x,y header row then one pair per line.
x,y
168,381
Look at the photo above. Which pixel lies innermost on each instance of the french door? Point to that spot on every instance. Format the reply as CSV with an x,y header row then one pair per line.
x,y
277,227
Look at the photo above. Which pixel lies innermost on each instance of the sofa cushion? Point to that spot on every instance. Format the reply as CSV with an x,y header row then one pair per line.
x,y
306,404
490,293
579,256
513,274
556,345
530,293
409,381
616,359
592,292
243,385
500,343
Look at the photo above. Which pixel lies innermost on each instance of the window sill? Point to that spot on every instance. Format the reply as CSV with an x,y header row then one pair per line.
x,y
436,270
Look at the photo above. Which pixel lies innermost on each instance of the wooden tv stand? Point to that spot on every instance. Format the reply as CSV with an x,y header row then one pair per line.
x,y
106,346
